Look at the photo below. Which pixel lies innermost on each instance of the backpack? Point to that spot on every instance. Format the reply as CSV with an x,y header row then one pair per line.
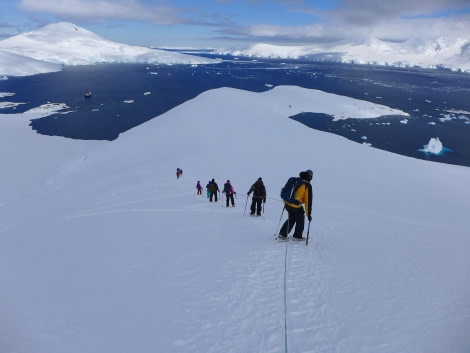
x,y
227,188
290,189
258,189
213,187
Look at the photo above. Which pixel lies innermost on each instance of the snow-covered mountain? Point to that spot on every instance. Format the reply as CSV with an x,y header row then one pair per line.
x,y
103,249
64,43
449,53
46,49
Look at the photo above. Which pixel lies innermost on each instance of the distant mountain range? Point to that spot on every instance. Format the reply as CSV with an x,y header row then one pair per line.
x,y
441,53
49,48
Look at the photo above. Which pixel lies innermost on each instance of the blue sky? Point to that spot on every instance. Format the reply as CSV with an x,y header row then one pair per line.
x,y
239,23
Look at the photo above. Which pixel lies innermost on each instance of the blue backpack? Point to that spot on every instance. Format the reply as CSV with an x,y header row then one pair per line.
x,y
290,189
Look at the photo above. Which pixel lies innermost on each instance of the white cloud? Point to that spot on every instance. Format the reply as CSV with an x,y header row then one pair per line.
x,y
353,21
309,32
394,20
89,9
367,12
396,29
424,28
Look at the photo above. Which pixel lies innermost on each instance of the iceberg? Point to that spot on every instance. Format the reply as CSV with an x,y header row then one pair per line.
x,y
434,146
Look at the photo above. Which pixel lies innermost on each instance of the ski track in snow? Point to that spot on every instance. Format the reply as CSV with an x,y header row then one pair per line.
x,y
245,297
310,325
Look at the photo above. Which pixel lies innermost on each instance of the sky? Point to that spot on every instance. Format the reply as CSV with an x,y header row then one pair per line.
x,y
240,23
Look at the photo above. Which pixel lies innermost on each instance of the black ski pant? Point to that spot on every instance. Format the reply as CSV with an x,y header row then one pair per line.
x,y
296,216
256,205
213,194
230,198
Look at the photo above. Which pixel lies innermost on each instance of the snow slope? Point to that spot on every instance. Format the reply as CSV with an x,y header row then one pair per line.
x,y
67,44
28,66
102,249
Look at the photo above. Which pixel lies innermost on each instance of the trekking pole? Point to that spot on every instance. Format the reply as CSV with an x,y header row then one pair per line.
x,y
308,232
280,220
246,203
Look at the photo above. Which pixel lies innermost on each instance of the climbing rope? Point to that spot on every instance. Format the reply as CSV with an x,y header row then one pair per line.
x,y
285,301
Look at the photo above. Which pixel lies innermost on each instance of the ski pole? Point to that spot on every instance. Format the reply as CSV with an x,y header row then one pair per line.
x,y
280,220
308,232
246,203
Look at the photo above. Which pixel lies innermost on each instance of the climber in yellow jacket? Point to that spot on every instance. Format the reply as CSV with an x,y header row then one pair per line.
x,y
296,193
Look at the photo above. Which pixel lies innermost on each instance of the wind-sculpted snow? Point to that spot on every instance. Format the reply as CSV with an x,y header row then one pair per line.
x,y
103,249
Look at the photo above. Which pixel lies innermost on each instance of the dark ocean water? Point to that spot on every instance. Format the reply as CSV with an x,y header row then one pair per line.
x,y
126,95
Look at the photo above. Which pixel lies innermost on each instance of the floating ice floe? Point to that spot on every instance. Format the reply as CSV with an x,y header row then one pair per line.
x,y
38,112
445,118
4,105
455,115
404,121
458,111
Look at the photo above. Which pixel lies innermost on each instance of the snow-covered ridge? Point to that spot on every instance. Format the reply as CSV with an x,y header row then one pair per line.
x,y
448,53
50,47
